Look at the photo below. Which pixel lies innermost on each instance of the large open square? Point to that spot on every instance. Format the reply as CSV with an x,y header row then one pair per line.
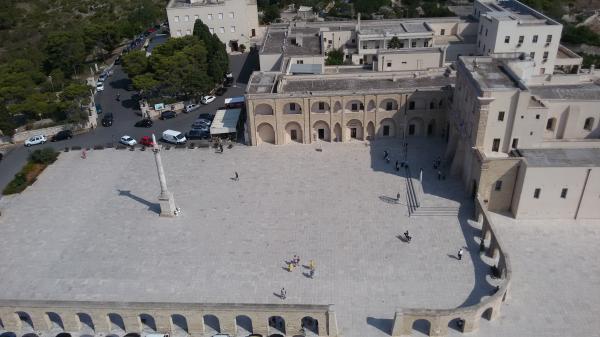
x,y
89,230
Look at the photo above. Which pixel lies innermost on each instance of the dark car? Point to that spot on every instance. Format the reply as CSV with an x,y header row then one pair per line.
x,y
220,91
107,120
118,60
208,116
197,134
144,123
62,135
98,108
167,114
129,86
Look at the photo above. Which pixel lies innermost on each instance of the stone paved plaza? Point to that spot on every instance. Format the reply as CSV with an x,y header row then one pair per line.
x,y
89,230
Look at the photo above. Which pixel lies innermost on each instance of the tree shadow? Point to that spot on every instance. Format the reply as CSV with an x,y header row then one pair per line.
x,y
154,207
250,65
383,324
120,83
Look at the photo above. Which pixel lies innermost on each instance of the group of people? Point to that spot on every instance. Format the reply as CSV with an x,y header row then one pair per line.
x,y
292,264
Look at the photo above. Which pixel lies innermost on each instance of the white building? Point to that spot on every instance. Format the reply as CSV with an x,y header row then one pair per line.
x,y
235,22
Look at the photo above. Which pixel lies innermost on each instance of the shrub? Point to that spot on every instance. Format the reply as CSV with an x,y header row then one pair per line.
x,y
17,185
44,156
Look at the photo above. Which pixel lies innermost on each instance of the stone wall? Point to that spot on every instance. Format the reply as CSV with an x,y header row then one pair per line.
x,y
469,316
197,319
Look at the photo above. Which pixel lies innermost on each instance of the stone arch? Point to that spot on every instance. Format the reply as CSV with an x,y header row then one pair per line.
x,y
388,104
456,324
415,126
179,322
243,323
276,325
337,107
322,131
422,325
211,323
31,334
115,322
315,107
63,334
371,106
310,325
337,131
431,128
354,129
54,321
487,313
391,127
147,322
25,322
8,334
132,334
85,321
265,134
263,109
370,131
293,132
292,108
358,104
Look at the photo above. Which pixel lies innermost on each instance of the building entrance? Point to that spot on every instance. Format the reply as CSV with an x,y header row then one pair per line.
x,y
353,133
321,133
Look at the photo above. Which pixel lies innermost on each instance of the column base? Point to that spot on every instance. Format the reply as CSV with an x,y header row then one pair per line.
x,y
167,205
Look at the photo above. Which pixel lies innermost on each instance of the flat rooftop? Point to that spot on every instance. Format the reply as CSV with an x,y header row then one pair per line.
x,y
585,91
516,11
278,41
489,72
360,85
561,157
261,82
397,29
88,230
200,3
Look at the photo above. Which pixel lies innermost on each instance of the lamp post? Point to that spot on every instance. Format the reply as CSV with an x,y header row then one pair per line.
x,y
165,199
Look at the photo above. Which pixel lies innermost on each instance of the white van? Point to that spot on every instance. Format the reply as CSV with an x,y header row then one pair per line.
x,y
157,335
172,136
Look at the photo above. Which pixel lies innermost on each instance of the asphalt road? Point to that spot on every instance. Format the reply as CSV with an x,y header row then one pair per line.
x,y
125,114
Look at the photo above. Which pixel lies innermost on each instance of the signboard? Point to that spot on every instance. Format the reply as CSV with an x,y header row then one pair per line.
x,y
159,106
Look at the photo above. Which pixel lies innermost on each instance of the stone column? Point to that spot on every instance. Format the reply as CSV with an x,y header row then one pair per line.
x,y
195,323
100,321
70,321
227,323
165,199
438,328
471,324
260,323
332,328
397,327
39,320
162,320
10,321
132,323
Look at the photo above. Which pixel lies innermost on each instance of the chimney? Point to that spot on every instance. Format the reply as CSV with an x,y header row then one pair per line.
x,y
358,24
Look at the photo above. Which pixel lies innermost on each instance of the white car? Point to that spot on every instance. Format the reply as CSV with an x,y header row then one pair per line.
x,y
207,99
100,86
35,140
191,107
126,140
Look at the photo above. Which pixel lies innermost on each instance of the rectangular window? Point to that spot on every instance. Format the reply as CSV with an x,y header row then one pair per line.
x,y
537,116
498,186
321,105
563,193
176,19
413,44
221,29
443,32
534,39
545,55
500,115
389,64
411,105
548,38
537,192
521,39
232,29
532,55
354,107
210,16
389,106
220,16
386,130
426,44
507,39
515,143
186,18
496,145
196,17
299,61
231,15
212,30
292,106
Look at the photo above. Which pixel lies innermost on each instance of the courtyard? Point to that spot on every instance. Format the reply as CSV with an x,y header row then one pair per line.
x,y
89,230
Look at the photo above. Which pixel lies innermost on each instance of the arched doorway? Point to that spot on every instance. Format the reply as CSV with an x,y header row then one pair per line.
x,y
370,131
387,128
276,325
337,107
310,325
337,131
244,325
321,130
148,324
431,128
422,325
293,132
63,334
266,134
354,129
116,322
263,109
26,324
457,324
179,324
415,126
86,322
55,321
487,314
371,106
211,324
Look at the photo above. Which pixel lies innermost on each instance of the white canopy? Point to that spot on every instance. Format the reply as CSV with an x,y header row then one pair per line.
x,y
225,121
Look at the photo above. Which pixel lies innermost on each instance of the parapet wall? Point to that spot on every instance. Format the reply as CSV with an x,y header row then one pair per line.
x,y
194,318
469,316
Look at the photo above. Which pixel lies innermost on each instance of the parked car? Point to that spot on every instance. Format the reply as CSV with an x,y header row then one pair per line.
x,y
100,86
197,134
36,140
191,107
220,91
126,140
172,136
206,116
167,114
62,135
107,120
202,124
102,77
207,99
146,141
228,81
98,108
144,123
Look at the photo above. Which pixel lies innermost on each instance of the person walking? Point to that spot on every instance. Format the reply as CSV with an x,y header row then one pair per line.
x,y
83,154
460,254
397,197
237,177
397,166
290,267
439,175
283,293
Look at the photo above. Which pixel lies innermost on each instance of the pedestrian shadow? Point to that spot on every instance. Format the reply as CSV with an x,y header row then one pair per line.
x,y
307,275
305,266
383,324
278,296
401,238
388,200
453,256
286,269
154,207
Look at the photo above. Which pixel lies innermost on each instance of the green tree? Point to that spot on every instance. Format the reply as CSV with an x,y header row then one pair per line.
x,y
64,51
217,58
370,6
145,83
395,43
135,63
335,57
270,14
